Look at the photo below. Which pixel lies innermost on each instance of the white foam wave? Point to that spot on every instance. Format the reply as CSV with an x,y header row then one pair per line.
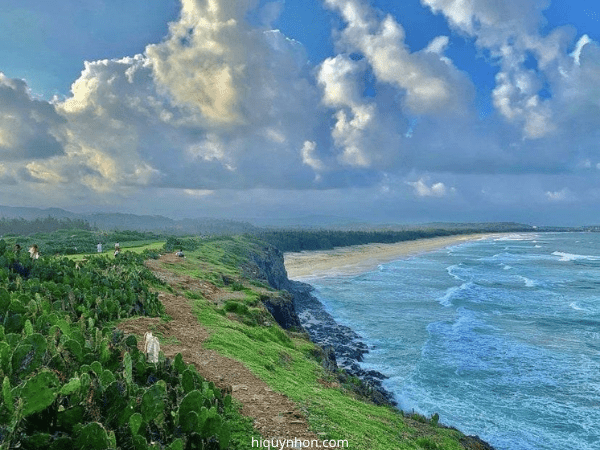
x,y
576,307
517,237
446,299
528,282
572,257
451,269
507,267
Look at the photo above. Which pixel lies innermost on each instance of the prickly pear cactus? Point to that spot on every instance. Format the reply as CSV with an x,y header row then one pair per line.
x,y
68,382
27,356
135,422
39,392
7,397
187,381
153,403
92,436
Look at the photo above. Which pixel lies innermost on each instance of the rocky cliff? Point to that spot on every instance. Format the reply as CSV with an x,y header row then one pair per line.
x,y
339,346
296,308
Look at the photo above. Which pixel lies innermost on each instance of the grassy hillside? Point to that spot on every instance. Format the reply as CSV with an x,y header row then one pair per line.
x,y
70,380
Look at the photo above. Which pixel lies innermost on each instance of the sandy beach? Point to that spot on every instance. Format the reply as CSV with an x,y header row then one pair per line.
x,y
358,259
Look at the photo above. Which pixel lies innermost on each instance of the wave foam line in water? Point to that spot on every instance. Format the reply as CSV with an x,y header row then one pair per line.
x,y
451,271
571,257
453,293
528,282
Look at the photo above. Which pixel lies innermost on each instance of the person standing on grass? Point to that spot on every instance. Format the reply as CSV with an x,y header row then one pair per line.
x,y
99,247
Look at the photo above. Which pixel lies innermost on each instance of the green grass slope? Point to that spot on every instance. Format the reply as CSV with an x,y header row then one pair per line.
x,y
290,363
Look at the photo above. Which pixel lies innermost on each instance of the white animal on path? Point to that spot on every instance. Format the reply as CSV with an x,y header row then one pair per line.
x,y
151,347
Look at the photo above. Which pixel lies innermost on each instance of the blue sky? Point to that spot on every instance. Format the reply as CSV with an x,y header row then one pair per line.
x,y
379,111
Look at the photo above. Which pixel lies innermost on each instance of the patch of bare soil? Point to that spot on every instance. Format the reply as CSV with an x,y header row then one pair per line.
x,y
275,415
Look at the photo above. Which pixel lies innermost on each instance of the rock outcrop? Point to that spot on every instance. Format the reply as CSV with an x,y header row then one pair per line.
x,y
283,311
265,263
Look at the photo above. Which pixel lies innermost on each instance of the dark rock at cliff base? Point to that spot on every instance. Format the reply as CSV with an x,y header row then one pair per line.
x,y
282,309
346,343
475,443
329,359
326,356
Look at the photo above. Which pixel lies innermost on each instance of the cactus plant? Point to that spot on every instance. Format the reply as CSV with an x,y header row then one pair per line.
x,y
187,381
4,300
7,397
178,363
153,401
92,436
127,368
39,392
67,419
27,356
106,378
61,368
177,444
135,422
74,349
189,421
73,385
5,355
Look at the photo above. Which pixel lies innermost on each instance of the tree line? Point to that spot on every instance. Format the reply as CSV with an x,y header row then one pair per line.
x,y
300,240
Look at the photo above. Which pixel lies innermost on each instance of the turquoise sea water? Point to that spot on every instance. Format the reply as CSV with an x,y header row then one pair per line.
x,y
501,337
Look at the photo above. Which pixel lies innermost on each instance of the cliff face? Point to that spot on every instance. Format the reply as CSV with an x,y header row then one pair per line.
x,y
283,310
265,264
338,346
294,307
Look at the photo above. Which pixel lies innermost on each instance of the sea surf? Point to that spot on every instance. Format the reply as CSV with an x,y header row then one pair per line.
x,y
500,336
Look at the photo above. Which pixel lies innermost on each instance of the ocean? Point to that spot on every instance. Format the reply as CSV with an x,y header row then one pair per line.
x,y
500,337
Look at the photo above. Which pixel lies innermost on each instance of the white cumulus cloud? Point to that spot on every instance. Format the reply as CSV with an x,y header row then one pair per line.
x,y
559,196
422,189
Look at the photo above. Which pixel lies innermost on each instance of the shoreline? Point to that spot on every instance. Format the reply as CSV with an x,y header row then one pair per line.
x,y
346,347
357,259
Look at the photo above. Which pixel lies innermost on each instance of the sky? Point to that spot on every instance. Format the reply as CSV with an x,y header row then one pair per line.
x,y
375,111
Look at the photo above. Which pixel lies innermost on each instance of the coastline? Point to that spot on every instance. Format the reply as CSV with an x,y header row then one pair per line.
x,y
357,259
342,345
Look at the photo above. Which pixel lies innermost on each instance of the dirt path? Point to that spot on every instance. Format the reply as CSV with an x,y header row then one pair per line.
x,y
275,416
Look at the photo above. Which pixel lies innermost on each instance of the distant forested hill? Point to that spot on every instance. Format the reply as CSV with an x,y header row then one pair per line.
x,y
120,221
48,224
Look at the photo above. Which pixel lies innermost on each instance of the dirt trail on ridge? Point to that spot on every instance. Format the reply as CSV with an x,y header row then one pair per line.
x,y
275,415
